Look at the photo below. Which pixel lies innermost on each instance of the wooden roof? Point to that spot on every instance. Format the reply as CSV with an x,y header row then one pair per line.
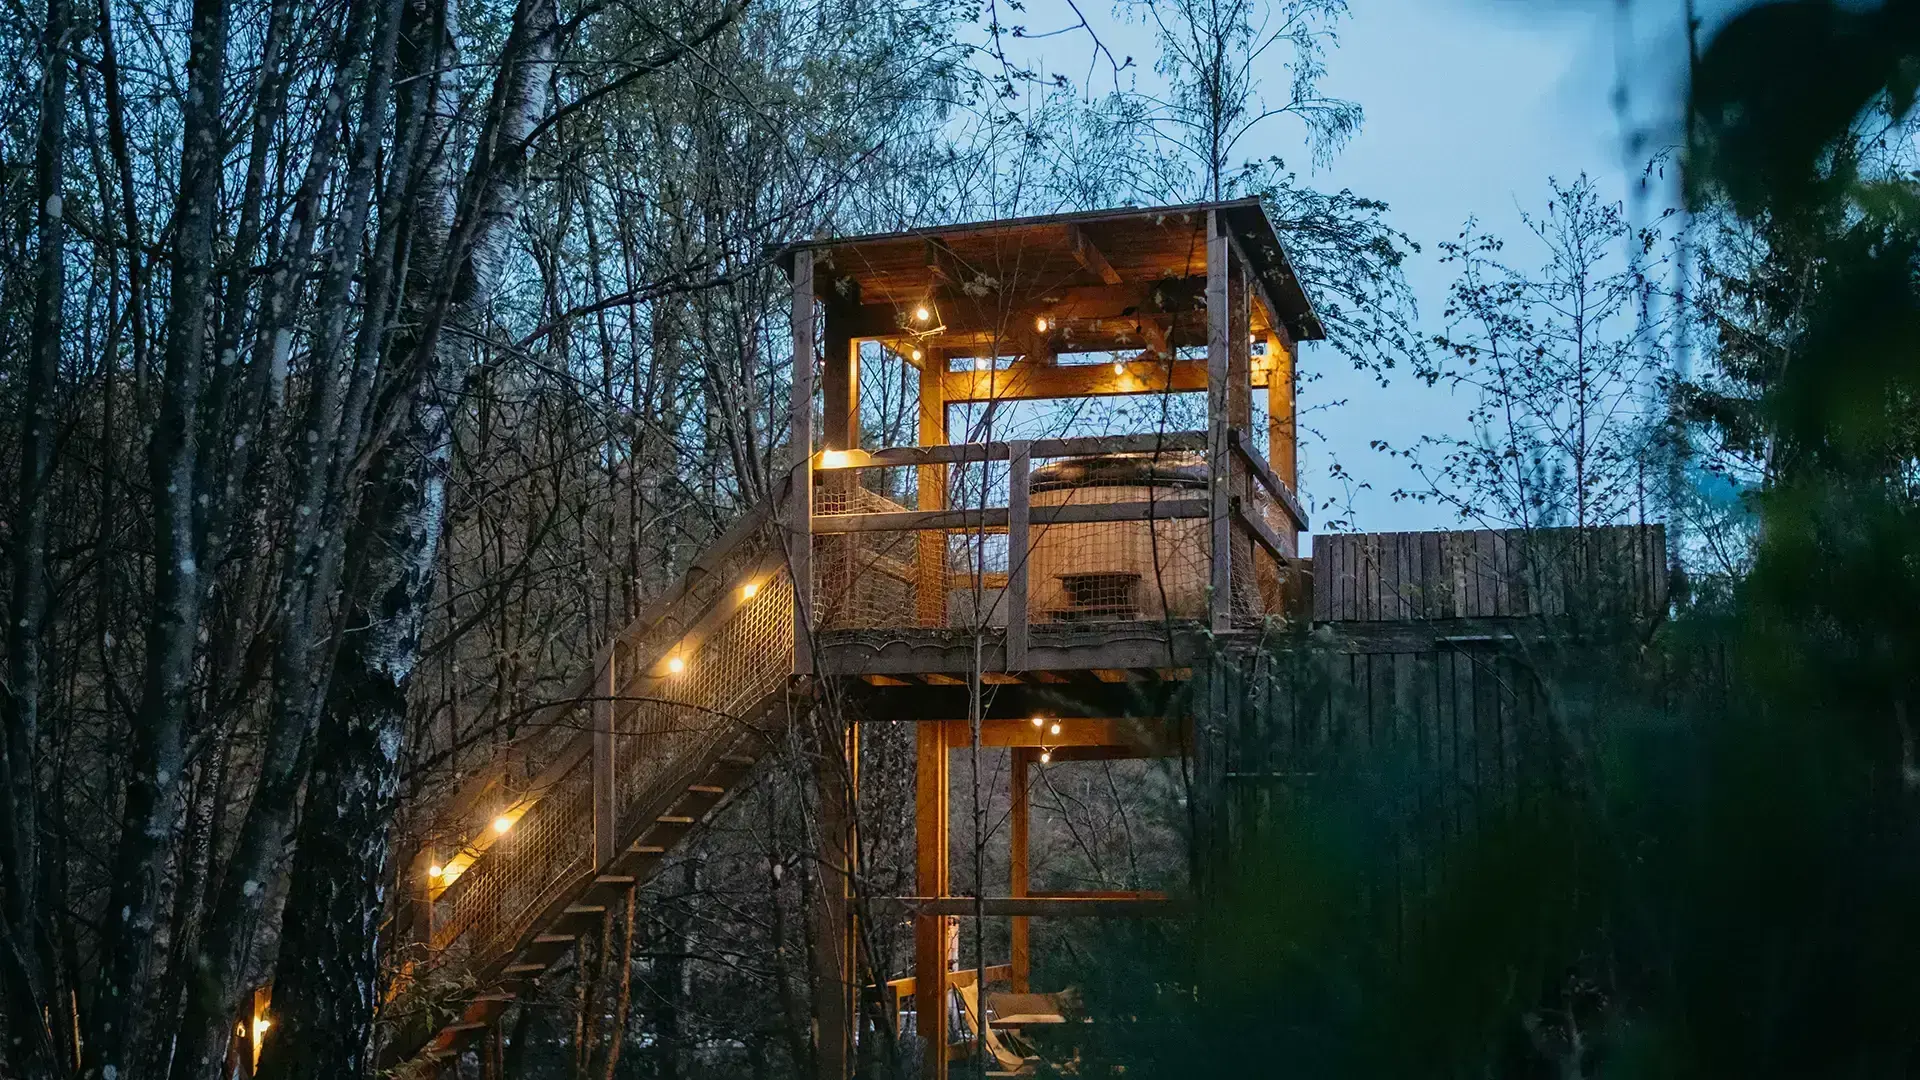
x,y
1081,262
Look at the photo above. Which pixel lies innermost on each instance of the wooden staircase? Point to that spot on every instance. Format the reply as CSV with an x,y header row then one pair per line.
x,y
669,720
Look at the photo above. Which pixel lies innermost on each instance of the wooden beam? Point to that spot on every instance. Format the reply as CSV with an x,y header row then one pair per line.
x,y
1014,596
798,535
930,958
930,591
1259,531
1219,360
1026,380
1281,491
995,517
606,810
1283,432
1017,945
1090,257
1100,907
1166,441
1075,305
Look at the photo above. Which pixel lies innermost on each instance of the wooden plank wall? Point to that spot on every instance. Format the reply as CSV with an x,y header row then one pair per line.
x,y
1387,577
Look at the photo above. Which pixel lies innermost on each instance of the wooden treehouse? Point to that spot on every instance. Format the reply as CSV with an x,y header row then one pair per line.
x,y
1088,581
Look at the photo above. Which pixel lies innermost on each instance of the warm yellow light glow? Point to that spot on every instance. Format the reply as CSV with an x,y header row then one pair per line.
x,y
916,354
1119,368
1041,324
921,314
1038,720
1054,730
436,871
748,590
676,665
260,1026
833,459
982,364
502,823
1046,756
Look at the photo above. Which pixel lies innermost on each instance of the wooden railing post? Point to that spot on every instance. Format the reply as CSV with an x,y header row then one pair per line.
x,y
606,811
1219,467
1019,486
799,516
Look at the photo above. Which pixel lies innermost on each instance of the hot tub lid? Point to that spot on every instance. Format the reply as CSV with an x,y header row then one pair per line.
x,y
1171,469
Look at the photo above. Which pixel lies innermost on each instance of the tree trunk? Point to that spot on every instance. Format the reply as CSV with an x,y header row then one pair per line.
x,y
325,983
156,748
222,964
25,966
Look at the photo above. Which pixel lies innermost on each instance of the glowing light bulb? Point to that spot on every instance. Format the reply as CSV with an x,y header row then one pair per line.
x,y
1041,324
502,823
1119,368
260,1026
436,870
916,354
1046,756
922,314
1039,720
1054,730
833,459
676,665
748,590
982,364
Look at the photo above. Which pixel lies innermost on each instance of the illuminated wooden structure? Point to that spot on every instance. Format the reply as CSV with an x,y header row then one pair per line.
x,y
1197,299
903,579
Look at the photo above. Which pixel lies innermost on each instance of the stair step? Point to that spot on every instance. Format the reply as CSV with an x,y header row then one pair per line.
x,y
586,909
525,969
647,849
706,789
555,939
674,819
614,879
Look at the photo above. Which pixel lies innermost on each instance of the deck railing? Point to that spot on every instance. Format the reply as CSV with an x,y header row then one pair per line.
x,y
674,689
986,551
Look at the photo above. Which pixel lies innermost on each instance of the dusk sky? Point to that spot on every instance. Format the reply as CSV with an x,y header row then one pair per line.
x,y
1471,105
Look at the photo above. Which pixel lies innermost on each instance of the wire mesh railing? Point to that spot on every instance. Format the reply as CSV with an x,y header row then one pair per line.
x,y
671,692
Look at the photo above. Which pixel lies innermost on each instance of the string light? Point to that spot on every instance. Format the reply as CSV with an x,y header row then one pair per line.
x,y
922,314
675,665
1119,368
1054,730
1046,756
1039,720
260,1026
833,459
1041,324
916,354
748,590
436,871
502,823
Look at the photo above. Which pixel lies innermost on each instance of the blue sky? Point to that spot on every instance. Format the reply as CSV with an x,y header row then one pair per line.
x,y
1470,106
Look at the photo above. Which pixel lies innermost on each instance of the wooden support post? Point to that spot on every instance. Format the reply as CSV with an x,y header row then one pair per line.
x,y
839,383
931,599
606,811
930,956
1283,439
835,963
1017,862
800,456
1018,550
1219,258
